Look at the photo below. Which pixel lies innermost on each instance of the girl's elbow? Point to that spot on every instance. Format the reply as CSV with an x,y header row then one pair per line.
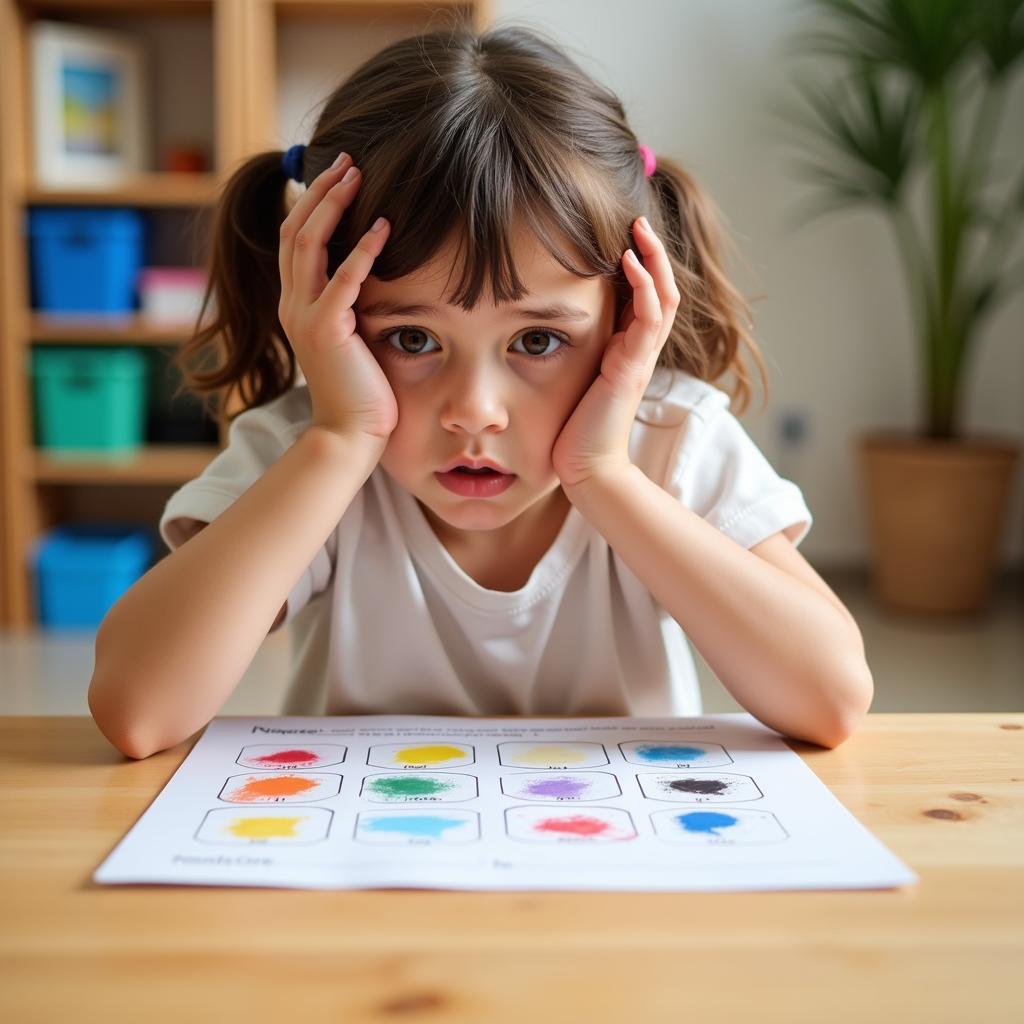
x,y
858,695
836,736
134,750
112,700
110,723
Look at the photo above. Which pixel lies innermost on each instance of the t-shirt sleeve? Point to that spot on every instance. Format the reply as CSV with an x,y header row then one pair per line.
x,y
256,439
725,478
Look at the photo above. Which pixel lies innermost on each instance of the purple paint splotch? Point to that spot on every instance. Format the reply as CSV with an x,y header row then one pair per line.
x,y
562,788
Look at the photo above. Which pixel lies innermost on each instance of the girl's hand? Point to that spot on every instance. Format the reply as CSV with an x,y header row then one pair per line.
x,y
595,438
351,395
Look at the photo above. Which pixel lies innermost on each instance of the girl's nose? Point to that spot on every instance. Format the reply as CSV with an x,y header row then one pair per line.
x,y
474,405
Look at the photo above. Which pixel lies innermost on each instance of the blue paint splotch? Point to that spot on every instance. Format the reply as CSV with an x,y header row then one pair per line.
x,y
665,752
705,821
428,825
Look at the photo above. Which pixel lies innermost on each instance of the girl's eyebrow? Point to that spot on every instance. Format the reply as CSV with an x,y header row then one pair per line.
x,y
553,311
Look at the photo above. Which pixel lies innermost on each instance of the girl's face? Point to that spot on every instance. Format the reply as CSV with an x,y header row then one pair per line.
x,y
497,383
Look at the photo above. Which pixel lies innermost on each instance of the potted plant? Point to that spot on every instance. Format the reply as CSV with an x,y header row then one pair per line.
x,y
908,126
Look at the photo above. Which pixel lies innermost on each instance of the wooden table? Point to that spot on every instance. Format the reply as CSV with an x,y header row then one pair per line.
x,y
942,791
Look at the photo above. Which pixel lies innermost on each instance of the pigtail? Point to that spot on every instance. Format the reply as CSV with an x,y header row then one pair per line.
x,y
713,322
237,354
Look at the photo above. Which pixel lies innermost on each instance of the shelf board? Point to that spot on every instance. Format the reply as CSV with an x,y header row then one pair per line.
x,y
105,330
156,189
374,9
50,7
153,464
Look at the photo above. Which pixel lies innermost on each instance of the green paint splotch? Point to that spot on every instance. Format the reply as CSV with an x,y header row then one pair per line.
x,y
395,787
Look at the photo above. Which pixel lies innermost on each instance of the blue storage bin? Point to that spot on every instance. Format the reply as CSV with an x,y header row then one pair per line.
x,y
82,569
85,260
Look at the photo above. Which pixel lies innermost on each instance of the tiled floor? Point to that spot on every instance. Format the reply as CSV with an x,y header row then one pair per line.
x,y
919,664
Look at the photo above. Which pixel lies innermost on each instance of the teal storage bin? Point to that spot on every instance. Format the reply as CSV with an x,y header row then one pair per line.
x,y
90,398
82,569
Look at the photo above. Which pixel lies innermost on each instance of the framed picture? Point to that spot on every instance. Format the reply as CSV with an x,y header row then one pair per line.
x,y
88,106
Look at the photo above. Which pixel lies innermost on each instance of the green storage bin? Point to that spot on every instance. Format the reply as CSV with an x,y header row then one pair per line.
x,y
90,399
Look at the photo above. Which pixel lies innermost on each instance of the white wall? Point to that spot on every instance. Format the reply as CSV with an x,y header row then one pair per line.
x,y
696,78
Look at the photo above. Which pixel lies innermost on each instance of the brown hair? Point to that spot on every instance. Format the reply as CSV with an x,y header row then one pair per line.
x,y
460,131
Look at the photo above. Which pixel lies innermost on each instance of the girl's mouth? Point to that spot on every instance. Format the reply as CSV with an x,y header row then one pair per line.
x,y
475,483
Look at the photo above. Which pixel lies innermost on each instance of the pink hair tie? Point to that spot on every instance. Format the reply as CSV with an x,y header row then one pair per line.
x,y
650,161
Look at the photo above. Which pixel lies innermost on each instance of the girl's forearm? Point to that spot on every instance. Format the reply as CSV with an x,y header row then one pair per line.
x,y
782,650
175,645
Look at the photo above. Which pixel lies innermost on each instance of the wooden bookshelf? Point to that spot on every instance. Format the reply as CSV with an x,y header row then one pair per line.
x,y
150,190
152,464
128,330
243,38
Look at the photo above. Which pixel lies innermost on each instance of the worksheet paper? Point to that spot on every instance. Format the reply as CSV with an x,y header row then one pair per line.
x,y
716,802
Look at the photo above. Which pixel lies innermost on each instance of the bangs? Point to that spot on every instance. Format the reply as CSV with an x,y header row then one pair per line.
x,y
478,193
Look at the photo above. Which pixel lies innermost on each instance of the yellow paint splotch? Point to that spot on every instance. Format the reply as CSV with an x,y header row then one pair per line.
x,y
265,828
429,754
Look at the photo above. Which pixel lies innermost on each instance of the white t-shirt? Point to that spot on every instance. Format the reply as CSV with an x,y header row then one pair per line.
x,y
384,620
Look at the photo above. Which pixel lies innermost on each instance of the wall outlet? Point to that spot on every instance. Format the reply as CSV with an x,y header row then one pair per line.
x,y
794,427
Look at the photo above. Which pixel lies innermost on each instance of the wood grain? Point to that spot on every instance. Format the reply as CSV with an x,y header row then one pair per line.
x,y
942,791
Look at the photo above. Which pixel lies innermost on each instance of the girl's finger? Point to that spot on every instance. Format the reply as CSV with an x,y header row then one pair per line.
x,y
343,287
305,204
657,264
309,257
646,305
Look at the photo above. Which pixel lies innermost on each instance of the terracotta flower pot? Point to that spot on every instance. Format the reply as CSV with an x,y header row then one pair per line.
x,y
936,512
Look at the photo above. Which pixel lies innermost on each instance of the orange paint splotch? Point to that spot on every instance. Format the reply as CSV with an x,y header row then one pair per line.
x,y
278,785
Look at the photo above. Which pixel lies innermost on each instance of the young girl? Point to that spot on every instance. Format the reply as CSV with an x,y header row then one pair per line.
x,y
518,502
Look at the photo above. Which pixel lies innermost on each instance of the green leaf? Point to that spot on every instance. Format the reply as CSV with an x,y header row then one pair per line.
x,y
998,27
925,38
872,134
904,75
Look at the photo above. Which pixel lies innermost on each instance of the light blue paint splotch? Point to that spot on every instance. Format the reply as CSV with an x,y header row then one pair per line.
x,y
705,821
666,752
428,825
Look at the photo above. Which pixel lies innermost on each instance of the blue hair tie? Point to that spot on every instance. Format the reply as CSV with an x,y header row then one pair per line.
x,y
291,162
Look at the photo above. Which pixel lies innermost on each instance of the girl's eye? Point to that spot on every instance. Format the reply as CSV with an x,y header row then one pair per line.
x,y
415,340
537,341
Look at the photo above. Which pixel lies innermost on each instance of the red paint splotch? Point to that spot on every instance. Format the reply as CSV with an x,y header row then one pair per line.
x,y
289,757
578,825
